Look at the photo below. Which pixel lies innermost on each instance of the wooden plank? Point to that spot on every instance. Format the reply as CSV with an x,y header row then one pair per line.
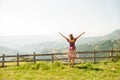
x,y
11,56
43,59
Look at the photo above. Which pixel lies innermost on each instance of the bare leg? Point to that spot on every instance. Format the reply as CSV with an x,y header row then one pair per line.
x,y
72,59
69,62
72,62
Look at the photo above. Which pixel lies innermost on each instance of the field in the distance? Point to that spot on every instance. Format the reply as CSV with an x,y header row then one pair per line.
x,y
58,71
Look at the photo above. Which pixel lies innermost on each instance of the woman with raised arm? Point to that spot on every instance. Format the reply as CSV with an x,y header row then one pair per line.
x,y
72,48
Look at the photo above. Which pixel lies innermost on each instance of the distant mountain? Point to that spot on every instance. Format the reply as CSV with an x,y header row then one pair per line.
x,y
114,35
39,47
18,41
6,50
30,44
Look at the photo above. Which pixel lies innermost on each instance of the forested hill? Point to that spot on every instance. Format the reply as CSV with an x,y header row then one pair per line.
x,y
100,45
6,50
114,35
111,36
83,44
105,42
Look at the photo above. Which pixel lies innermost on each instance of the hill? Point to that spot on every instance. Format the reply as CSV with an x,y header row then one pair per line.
x,y
18,41
114,35
6,50
44,44
111,36
84,44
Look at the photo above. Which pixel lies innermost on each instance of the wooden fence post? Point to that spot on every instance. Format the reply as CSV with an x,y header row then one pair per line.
x,y
17,59
34,57
94,56
111,53
52,57
3,60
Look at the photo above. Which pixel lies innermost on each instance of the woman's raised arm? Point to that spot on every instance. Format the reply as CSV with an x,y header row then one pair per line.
x,y
63,35
80,35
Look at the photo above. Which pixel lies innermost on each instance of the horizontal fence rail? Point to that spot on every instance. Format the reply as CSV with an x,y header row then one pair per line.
x,y
58,56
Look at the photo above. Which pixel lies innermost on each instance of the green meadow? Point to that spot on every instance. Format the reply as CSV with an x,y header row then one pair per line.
x,y
105,70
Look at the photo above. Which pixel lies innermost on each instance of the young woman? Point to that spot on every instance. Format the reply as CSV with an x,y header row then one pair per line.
x,y
72,48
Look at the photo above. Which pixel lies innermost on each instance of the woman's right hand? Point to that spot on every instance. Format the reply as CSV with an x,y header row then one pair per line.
x,y
83,33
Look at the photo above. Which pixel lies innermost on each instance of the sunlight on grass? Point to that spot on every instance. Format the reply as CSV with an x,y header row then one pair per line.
x,y
59,71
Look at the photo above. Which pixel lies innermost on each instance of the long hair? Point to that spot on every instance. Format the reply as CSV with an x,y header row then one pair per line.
x,y
71,36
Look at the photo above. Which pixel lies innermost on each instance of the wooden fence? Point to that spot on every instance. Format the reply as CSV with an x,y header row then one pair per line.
x,y
52,56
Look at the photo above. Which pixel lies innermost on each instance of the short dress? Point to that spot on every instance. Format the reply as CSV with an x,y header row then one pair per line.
x,y
71,52
71,48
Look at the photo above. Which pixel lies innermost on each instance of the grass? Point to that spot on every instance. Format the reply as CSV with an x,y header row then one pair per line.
x,y
58,71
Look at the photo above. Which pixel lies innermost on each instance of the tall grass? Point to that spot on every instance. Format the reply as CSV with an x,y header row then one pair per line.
x,y
40,66
105,70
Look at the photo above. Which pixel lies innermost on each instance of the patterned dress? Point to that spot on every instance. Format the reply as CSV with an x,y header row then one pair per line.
x,y
71,48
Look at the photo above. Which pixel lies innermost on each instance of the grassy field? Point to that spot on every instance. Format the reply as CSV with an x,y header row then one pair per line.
x,y
58,71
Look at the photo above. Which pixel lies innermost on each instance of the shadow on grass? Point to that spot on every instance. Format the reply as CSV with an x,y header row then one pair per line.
x,y
89,68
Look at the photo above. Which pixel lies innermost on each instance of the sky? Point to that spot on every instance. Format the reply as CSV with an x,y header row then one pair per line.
x,y
48,17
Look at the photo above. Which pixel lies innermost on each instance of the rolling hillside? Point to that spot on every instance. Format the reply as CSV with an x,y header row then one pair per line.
x,y
88,43
114,35
38,44
6,50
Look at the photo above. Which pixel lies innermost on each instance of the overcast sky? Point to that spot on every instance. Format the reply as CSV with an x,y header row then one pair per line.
x,y
48,17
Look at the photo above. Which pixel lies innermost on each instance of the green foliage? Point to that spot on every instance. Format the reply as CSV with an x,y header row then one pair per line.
x,y
85,47
100,45
57,65
106,70
105,45
41,66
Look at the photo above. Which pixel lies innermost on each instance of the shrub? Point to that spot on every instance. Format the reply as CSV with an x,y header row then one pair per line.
x,y
40,66
57,65
43,66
